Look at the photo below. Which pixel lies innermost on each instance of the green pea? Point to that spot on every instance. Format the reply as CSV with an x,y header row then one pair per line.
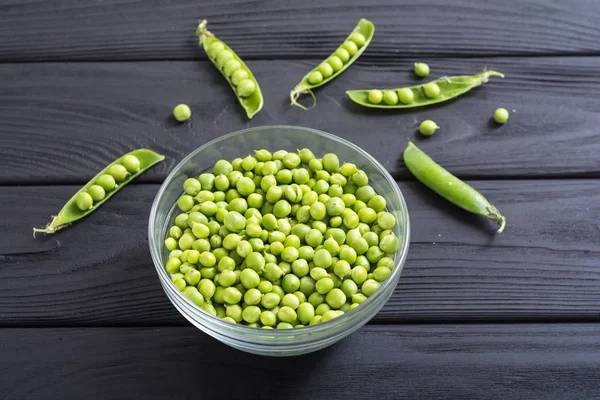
x,y
315,78
342,54
305,312
282,209
131,163
350,47
290,283
501,115
170,243
405,95
322,258
290,300
251,314
222,167
380,274
192,277
335,298
289,254
375,96
320,226
318,211
388,244
268,318
386,220
231,66
233,312
97,192
222,57
334,206
84,201
369,287
107,182
325,69
234,221
365,193
358,38
324,286
349,287
315,164
367,215
431,89
214,49
336,63
421,69
270,300
182,112
239,76
192,294
255,261
342,268
331,163
390,97
360,178
428,127
359,275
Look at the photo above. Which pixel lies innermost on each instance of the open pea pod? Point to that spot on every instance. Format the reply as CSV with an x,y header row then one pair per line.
x,y
72,212
440,90
235,71
350,50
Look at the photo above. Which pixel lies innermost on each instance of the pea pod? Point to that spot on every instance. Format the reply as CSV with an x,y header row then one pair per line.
x,y
231,66
102,187
354,45
436,178
433,92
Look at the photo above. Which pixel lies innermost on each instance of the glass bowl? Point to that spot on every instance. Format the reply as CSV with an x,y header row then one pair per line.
x,y
275,342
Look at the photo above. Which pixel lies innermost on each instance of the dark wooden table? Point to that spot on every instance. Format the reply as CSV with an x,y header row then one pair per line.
x,y
476,315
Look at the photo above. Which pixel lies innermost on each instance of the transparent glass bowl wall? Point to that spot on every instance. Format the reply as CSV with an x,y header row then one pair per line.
x,y
239,144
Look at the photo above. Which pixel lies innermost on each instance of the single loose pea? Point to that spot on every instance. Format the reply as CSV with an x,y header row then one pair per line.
x,y
390,97
315,78
336,63
431,89
192,294
305,312
107,182
350,46
239,76
290,300
421,69
84,201
342,54
251,314
268,318
406,95
232,295
428,127
182,112
245,186
322,259
349,287
375,96
131,162
223,167
234,312
325,69
359,275
192,186
246,88
270,300
501,115
231,66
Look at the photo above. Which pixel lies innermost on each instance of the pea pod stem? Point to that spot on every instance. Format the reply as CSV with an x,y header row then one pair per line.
x,y
298,90
438,179
70,211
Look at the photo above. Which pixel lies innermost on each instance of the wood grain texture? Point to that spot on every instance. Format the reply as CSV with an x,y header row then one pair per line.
x,y
61,123
98,272
523,362
159,30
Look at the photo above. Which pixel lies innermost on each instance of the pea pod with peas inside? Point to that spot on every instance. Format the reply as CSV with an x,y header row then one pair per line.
x,y
425,94
231,66
102,187
436,178
350,50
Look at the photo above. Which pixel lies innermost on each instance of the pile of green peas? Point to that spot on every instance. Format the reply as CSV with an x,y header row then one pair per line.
x,y
105,183
280,240
339,58
224,59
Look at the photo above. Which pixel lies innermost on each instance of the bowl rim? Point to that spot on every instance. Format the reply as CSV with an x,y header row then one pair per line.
x,y
400,255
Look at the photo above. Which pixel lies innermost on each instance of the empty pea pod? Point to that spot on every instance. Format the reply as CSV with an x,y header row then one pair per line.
x,y
101,187
433,92
350,50
436,178
232,67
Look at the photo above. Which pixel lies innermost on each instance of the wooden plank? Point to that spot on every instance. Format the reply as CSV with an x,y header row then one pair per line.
x,y
98,272
102,110
558,361
126,30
